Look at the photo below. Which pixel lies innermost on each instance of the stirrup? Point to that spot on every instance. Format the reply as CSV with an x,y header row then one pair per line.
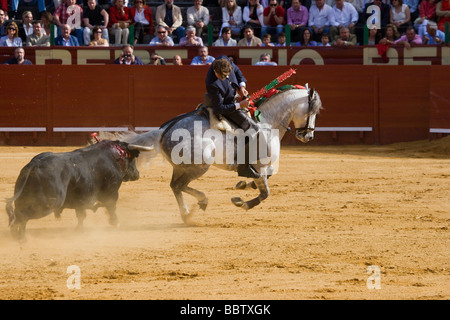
x,y
247,171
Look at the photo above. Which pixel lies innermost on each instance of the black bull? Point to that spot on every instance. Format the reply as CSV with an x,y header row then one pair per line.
x,y
82,179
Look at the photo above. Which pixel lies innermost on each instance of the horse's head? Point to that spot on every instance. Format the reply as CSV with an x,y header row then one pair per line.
x,y
305,117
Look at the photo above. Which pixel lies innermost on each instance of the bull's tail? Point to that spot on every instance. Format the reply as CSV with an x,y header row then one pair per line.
x,y
20,185
10,210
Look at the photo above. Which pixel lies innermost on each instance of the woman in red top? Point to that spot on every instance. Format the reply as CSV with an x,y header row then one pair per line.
x,y
443,14
142,17
119,20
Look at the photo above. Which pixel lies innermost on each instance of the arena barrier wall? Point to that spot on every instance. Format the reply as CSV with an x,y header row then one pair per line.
x,y
355,55
63,104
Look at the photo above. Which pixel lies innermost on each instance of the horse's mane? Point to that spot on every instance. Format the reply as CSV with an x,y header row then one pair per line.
x,y
285,96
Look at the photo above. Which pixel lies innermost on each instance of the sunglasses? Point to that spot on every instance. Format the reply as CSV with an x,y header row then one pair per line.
x,y
273,5
161,32
14,29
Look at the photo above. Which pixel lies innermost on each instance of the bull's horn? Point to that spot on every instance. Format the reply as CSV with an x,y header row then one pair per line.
x,y
140,148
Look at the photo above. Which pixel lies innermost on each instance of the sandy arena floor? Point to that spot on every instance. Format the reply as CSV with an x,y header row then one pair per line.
x,y
332,213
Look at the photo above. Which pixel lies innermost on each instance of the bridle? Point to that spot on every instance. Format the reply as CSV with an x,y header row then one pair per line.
x,y
308,127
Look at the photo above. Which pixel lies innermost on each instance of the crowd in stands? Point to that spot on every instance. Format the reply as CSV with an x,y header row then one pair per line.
x,y
242,22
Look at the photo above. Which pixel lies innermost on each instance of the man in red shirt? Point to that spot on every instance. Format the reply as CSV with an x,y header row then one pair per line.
x,y
273,19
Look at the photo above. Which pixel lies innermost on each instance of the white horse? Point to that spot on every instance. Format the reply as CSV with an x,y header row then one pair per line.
x,y
188,143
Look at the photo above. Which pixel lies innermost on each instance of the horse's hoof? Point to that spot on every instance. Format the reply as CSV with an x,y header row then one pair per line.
x,y
203,204
188,219
238,202
241,185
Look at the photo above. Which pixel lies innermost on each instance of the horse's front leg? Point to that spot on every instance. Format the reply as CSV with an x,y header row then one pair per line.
x,y
263,187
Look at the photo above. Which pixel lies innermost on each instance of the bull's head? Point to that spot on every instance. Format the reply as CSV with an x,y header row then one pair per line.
x,y
127,158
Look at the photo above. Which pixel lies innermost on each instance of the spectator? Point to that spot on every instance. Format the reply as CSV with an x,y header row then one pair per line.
x,y
265,60
98,40
38,39
433,35
156,60
384,12
225,40
409,39
26,28
203,58
119,21
161,39
374,36
358,5
94,16
400,15
177,61
2,23
345,15
62,14
232,18
198,17
345,38
273,19
66,39
191,39
142,19
253,16
320,19
127,56
47,24
19,57
324,40
443,13
11,39
249,40
267,40
169,16
391,35
281,40
25,5
427,11
306,39
297,18
413,6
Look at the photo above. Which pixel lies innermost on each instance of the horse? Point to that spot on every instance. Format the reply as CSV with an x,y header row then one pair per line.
x,y
191,148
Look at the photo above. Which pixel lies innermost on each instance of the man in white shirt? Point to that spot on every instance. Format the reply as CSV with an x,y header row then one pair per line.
x,y
320,19
198,17
345,15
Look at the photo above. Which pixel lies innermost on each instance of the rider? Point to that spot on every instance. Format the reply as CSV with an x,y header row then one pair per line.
x,y
223,81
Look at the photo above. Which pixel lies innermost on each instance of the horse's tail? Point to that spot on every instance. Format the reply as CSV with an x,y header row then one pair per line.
x,y
150,138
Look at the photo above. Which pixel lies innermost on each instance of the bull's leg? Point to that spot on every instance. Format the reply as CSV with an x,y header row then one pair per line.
x,y
113,220
18,230
263,187
81,215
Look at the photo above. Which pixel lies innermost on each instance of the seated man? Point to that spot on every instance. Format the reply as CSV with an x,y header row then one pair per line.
x,y
223,80
265,60
19,57
273,19
169,16
191,39
38,39
345,38
203,57
127,56
66,39
161,39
